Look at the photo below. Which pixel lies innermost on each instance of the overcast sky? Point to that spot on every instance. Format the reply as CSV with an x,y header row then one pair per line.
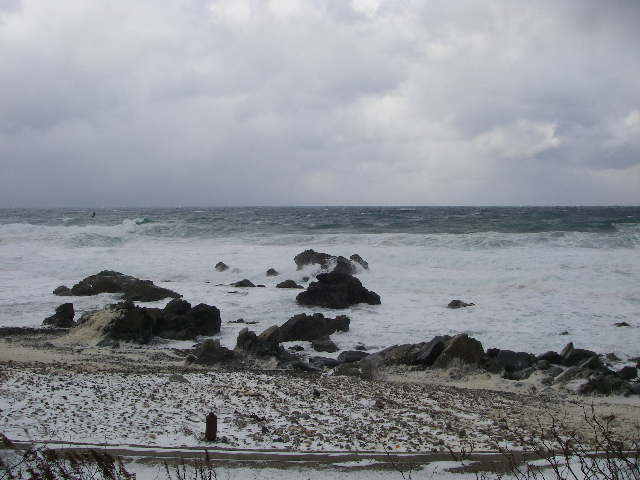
x,y
256,102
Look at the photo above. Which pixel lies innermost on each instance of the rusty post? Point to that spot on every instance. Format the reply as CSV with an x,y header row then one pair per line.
x,y
212,428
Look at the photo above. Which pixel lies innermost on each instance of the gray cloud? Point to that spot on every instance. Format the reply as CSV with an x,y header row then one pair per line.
x,y
224,102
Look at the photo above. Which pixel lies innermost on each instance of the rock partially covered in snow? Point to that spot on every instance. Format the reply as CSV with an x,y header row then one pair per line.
x,y
109,281
337,290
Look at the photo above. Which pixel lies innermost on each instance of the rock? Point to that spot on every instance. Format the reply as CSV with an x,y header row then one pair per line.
x,y
508,360
621,324
133,288
627,373
360,347
543,365
461,348
243,283
564,332
324,362
551,357
177,306
62,291
336,290
265,344
210,352
573,356
592,363
305,279
303,366
350,369
572,373
554,371
604,384
427,353
296,348
518,374
288,284
305,327
272,272
355,258
459,304
324,345
612,357
635,388
177,378
311,257
424,353
221,267
261,286
344,266
63,318
349,356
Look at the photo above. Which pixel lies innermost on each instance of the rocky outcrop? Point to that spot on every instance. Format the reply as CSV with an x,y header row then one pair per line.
x,y
221,267
127,322
265,344
324,344
572,356
243,283
336,290
210,352
312,327
508,361
63,318
272,272
311,257
459,304
108,281
461,349
424,353
350,356
289,284
338,264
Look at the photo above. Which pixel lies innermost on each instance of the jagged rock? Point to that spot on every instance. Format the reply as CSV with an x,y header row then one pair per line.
x,y
296,348
554,371
461,348
594,363
336,290
177,306
551,357
424,353
311,257
272,272
62,291
210,352
324,362
63,318
635,388
572,356
310,327
349,356
355,258
324,345
288,284
221,267
628,373
243,283
109,281
265,344
459,304
508,361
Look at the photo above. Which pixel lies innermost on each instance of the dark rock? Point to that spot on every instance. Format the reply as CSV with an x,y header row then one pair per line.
x,y
336,290
594,363
310,327
296,348
350,369
572,356
324,362
621,324
62,291
243,283
551,357
635,388
360,347
265,344
261,286
305,279
221,267
176,378
355,258
177,306
424,353
302,366
63,318
518,374
288,284
210,352
429,352
272,272
543,365
459,304
612,357
564,332
461,348
508,361
604,384
311,257
324,345
344,266
628,373
572,373
133,288
349,356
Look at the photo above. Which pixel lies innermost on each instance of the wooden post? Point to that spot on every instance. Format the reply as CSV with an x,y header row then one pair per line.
x,y
212,428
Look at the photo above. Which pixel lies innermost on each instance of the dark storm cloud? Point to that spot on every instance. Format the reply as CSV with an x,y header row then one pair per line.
x,y
288,102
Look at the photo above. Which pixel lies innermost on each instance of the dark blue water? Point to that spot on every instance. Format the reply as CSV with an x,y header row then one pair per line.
x,y
207,222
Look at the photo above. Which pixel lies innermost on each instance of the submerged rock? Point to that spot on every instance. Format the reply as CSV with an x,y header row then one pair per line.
x,y
243,283
63,318
509,361
289,284
337,290
459,304
265,344
221,267
109,281
272,272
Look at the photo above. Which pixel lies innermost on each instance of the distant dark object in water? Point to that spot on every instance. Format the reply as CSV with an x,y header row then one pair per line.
x,y
221,266
359,260
622,324
243,283
564,332
93,215
459,304
337,290
288,284
272,272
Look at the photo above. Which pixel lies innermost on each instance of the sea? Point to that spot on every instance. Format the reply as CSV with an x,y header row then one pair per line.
x,y
540,277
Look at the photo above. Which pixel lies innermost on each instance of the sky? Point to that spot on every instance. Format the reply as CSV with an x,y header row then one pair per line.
x,y
297,102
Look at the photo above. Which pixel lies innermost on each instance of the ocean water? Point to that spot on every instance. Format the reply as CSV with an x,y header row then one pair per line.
x,y
532,272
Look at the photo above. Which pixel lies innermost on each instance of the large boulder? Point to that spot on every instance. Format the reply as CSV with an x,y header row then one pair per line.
x,y
324,344
188,323
311,327
210,352
551,357
604,384
311,257
108,281
343,265
265,344
63,318
462,349
424,353
336,290
572,356
508,360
